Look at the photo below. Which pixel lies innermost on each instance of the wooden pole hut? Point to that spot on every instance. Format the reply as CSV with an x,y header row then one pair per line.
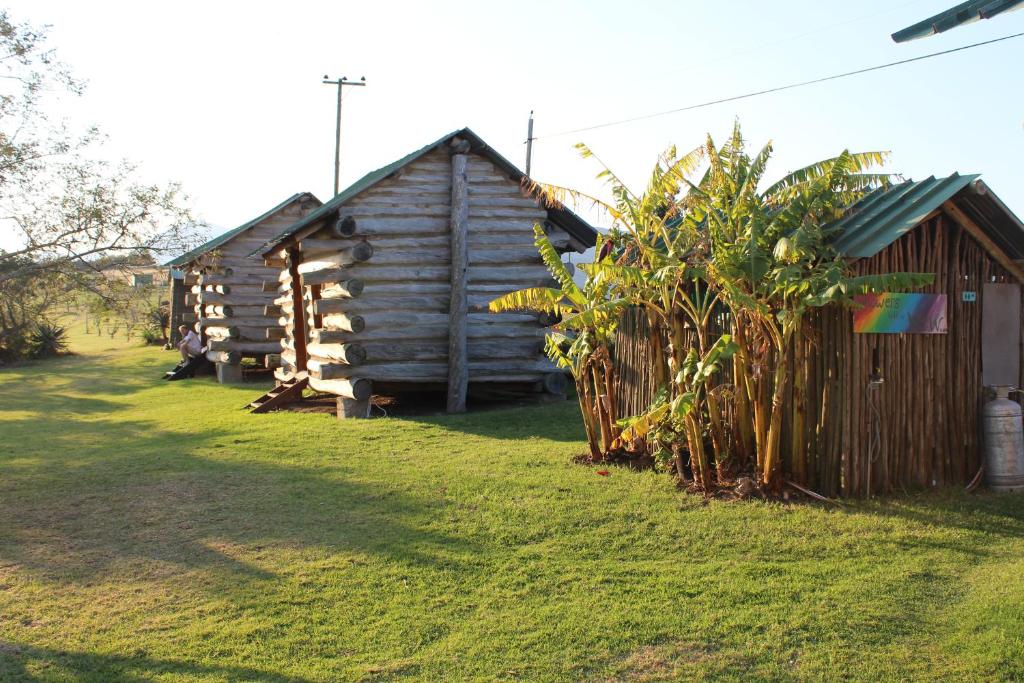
x,y
230,297
887,396
387,284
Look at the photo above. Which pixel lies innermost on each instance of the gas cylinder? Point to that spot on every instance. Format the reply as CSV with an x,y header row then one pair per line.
x,y
1004,442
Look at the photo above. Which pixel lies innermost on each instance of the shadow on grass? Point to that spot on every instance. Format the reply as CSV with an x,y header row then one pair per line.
x,y
511,419
991,517
17,660
89,373
80,498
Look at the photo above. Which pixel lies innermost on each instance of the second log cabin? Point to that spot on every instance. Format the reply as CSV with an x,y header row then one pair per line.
x,y
226,295
389,282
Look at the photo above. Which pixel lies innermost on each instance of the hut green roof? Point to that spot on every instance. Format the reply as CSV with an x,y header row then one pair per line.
x,y
886,214
234,232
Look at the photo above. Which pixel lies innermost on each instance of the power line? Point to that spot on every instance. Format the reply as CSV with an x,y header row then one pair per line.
x,y
777,89
699,67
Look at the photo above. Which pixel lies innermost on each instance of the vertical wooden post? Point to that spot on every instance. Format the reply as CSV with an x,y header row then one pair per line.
x,y
458,354
353,408
298,309
201,308
314,296
177,312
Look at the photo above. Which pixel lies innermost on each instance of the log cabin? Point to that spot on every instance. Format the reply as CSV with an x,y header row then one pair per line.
x,y
387,285
887,395
226,295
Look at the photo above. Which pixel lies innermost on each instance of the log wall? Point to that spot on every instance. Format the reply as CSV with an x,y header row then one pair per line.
x,y
233,295
381,312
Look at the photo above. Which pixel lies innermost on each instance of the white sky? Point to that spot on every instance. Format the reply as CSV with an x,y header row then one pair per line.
x,y
226,97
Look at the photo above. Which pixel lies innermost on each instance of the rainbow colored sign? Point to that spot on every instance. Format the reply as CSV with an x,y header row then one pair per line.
x,y
894,313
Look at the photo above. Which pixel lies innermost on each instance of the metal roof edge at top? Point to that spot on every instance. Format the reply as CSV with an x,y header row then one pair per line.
x,y
964,13
560,215
227,236
884,215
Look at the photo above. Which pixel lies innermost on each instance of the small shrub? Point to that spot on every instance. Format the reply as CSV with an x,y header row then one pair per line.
x,y
13,345
160,317
153,336
47,340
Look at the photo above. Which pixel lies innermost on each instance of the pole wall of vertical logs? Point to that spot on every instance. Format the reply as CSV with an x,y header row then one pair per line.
x,y
845,434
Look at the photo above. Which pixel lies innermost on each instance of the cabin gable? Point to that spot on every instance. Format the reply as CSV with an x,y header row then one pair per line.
x,y
391,282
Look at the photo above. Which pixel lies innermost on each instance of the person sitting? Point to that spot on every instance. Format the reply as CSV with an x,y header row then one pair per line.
x,y
190,345
193,355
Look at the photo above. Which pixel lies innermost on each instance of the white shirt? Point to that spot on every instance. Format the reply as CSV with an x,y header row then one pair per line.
x,y
192,343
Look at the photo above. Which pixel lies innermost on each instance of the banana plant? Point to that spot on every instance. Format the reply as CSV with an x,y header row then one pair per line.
x,y
579,341
683,412
771,262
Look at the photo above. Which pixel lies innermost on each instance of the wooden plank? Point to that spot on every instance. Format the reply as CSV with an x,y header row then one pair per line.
x,y
281,395
437,349
356,253
437,303
523,276
351,353
356,388
990,247
325,369
403,226
229,357
438,371
343,322
244,345
533,214
235,299
251,321
311,244
436,331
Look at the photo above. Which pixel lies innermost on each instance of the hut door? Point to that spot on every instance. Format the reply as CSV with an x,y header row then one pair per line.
x,y
1000,334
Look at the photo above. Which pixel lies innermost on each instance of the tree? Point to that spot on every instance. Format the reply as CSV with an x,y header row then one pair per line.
x,y
64,207
68,212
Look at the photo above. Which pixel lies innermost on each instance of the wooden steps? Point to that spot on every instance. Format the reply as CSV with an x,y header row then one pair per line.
x,y
281,395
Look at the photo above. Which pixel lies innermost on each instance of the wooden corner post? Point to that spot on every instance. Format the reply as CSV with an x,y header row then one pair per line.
x,y
458,353
298,309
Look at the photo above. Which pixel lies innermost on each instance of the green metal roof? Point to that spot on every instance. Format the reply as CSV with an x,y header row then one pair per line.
x,y
221,239
964,13
561,216
886,214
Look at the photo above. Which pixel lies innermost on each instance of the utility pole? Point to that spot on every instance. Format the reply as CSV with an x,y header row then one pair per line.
x,y
529,144
341,82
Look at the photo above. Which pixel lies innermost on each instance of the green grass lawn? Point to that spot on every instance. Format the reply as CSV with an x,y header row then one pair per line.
x,y
155,531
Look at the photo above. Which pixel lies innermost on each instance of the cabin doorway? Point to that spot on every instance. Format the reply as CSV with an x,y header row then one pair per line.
x,y
1000,334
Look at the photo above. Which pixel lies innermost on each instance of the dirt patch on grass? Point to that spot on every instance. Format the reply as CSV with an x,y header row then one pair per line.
x,y
667,661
